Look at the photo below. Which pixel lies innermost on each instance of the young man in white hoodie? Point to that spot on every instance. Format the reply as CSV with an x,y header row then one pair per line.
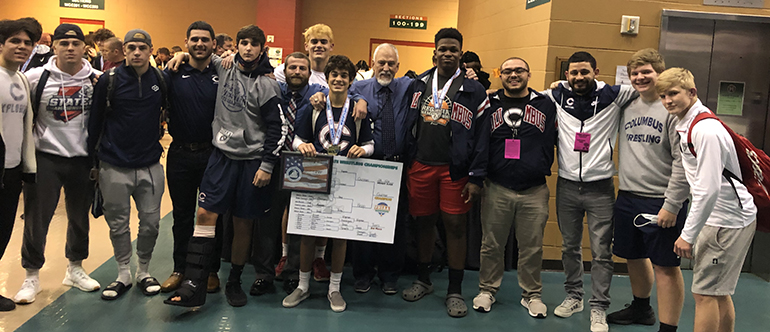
x,y
721,222
65,85
17,154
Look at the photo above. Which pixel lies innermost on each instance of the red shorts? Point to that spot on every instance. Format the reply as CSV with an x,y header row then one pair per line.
x,y
431,190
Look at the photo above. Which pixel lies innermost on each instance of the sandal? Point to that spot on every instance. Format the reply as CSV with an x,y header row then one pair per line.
x,y
116,286
455,305
147,283
417,291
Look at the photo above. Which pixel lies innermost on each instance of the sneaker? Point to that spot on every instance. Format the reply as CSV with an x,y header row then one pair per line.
x,y
295,298
336,302
6,304
632,315
78,278
362,285
29,289
320,272
483,302
279,268
390,287
535,306
599,321
568,307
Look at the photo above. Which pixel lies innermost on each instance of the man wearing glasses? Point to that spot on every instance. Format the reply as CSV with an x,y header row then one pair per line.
x,y
520,134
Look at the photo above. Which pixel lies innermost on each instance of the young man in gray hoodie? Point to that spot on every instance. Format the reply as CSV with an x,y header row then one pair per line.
x,y
65,88
248,132
650,209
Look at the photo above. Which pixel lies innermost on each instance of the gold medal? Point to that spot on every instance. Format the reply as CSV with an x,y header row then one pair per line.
x,y
333,150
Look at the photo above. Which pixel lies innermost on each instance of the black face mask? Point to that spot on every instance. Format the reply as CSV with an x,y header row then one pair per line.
x,y
247,64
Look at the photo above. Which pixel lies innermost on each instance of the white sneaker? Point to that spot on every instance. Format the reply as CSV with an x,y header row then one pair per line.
x,y
599,321
483,302
29,289
535,306
80,279
568,307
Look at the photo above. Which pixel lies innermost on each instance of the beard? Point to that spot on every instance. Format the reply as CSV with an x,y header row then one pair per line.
x,y
515,91
384,80
581,91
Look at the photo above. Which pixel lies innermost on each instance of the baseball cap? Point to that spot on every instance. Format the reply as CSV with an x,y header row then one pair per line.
x,y
138,35
67,30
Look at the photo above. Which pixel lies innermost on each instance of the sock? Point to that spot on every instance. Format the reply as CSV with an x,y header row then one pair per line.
x,y
455,281
641,303
667,328
284,249
235,273
304,281
319,251
74,264
33,274
423,272
205,231
334,282
142,270
124,274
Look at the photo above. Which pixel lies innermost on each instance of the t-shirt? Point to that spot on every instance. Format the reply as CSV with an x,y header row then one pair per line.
x,y
320,134
514,107
13,101
434,134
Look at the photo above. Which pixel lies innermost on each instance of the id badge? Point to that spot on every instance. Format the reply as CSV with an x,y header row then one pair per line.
x,y
512,149
582,142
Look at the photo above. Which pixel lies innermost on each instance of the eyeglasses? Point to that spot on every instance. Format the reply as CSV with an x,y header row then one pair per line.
x,y
518,71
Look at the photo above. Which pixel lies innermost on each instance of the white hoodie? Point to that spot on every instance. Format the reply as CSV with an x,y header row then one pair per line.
x,y
61,127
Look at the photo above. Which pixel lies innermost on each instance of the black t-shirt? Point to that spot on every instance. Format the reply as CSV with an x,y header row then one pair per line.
x,y
513,110
434,134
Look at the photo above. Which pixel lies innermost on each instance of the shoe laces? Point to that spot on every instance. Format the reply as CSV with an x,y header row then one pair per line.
x,y
598,317
570,303
78,274
30,283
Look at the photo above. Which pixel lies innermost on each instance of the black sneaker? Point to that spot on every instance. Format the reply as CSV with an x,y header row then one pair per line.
x,y
632,315
362,285
234,293
6,304
261,286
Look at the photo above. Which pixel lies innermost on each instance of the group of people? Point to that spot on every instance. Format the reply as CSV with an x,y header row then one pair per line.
x,y
96,134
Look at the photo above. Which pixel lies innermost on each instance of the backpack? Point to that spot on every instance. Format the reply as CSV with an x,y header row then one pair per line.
x,y
39,91
752,161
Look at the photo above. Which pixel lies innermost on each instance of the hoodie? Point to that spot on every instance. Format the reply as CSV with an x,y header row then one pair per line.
x,y
61,127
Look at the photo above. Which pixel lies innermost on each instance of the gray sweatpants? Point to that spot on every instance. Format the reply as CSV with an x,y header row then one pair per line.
x,y
596,200
41,199
146,186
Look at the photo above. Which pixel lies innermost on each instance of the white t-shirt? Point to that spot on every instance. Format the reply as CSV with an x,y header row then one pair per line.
x,y
316,77
13,101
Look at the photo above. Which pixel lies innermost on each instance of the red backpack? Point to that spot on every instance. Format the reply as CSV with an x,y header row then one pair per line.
x,y
752,161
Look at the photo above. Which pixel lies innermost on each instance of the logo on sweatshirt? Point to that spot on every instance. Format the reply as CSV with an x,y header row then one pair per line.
x,y
234,95
69,102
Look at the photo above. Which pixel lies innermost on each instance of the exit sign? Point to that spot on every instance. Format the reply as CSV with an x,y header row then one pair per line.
x,y
409,22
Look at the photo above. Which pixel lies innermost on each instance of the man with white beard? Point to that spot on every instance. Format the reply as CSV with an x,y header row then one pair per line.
x,y
387,106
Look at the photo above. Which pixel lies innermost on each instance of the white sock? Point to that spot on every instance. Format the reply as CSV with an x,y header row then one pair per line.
x,y
124,274
142,271
33,274
74,265
319,251
304,281
334,282
285,249
205,231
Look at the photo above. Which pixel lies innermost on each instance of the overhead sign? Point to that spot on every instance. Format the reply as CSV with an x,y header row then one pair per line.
x,y
85,4
409,22
535,3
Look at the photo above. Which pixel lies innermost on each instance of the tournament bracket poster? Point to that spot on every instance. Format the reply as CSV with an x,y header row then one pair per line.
x,y
361,206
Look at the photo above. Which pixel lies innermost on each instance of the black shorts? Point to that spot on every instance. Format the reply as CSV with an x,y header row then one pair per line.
x,y
228,185
654,242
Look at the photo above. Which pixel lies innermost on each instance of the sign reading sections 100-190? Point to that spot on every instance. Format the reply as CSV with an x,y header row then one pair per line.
x,y
85,4
409,22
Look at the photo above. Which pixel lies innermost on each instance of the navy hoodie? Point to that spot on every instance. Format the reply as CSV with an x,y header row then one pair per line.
x,y
131,137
